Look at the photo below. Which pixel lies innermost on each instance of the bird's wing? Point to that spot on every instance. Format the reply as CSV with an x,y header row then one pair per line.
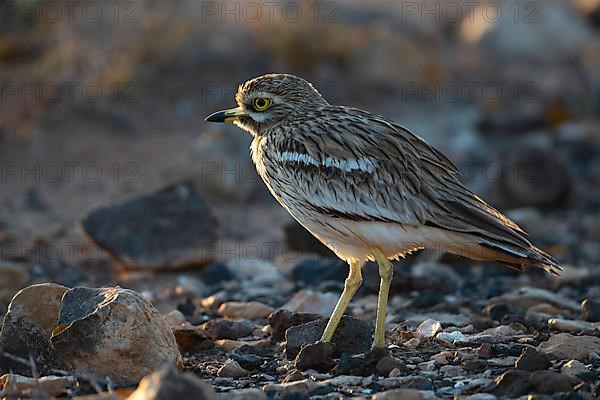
x,y
377,170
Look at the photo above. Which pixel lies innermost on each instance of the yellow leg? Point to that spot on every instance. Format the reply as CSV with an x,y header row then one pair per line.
x,y
385,274
351,285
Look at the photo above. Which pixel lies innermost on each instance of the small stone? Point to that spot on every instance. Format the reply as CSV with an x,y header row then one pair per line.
x,y
386,364
174,318
512,383
231,369
309,301
243,394
574,369
429,328
171,228
112,332
590,310
304,386
401,394
427,365
246,310
191,339
30,387
281,320
550,382
248,357
316,356
452,371
27,326
450,337
573,326
565,345
167,383
294,376
352,336
486,350
227,329
532,360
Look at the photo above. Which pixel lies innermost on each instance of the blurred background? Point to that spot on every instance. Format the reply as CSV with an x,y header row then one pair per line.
x,y
104,102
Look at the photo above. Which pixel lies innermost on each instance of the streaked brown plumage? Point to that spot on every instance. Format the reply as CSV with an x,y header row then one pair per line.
x,y
367,187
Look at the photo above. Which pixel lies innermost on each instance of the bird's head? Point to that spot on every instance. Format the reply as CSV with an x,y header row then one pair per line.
x,y
268,100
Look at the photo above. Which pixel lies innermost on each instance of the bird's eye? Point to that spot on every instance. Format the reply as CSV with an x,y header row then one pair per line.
x,y
262,103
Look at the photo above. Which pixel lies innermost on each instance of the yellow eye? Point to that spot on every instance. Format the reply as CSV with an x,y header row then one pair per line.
x,y
262,103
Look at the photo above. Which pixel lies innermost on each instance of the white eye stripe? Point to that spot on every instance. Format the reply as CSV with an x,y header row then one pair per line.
x,y
365,164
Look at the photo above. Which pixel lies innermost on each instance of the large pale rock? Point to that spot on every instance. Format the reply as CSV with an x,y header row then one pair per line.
x,y
565,345
27,326
112,332
167,383
168,229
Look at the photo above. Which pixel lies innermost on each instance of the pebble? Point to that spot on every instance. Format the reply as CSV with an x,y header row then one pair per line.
x,y
168,383
243,394
281,320
573,326
590,310
404,394
352,336
452,371
317,356
565,345
429,328
231,369
574,369
30,387
227,329
247,310
304,386
532,360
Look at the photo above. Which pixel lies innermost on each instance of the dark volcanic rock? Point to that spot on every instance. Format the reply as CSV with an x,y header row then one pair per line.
x,y
227,329
590,310
550,382
532,360
313,272
32,315
281,320
316,356
167,229
512,383
352,336
364,364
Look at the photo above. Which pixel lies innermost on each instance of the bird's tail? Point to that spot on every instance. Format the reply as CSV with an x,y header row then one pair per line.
x,y
518,256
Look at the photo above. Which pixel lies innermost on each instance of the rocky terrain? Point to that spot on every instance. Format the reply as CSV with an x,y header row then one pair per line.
x,y
141,257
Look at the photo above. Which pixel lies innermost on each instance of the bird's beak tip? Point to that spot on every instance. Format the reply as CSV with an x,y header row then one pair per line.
x,y
226,115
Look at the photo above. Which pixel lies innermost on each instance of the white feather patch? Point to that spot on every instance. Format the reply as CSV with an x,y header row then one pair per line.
x,y
364,164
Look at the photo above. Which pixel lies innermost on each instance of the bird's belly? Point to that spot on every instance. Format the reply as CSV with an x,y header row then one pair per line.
x,y
355,240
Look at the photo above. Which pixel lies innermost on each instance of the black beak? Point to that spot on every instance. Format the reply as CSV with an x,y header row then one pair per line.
x,y
230,115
